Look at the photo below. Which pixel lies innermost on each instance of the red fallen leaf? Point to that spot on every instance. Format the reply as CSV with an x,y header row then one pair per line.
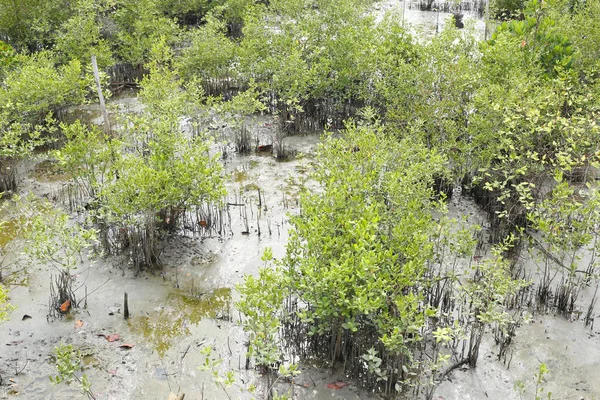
x,y
112,371
337,385
112,338
265,147
126,346
64,307
202,224
78,324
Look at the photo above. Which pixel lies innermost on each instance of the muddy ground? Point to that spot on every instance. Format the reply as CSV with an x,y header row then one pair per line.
x,y
188,303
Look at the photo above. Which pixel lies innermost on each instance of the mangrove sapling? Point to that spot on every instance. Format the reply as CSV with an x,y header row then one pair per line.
x,y
163,173
139,26
286,53
54,240
33,91
212,365
246,103
434,102
354,282
88,155
518,141
17,141
36,86
80,37
592,210
539,378
17,19
209,56
226,379
69,368
443,348
484,296
545,45
445,327
478,303
262,305
566,227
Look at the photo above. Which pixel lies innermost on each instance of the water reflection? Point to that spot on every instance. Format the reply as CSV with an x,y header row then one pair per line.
x,y
426,24
161,328
9,230
50,171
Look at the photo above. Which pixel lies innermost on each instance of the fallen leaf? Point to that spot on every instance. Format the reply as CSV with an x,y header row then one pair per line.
x,y
112,371
337,385
126,346
14,343
78,324
202,224
25,317
64,307
265,147
112,338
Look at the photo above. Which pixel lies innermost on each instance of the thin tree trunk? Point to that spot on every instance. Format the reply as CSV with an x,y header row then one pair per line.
x,y
101,96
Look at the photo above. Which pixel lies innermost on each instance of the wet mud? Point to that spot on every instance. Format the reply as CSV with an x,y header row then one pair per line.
x,y
187,305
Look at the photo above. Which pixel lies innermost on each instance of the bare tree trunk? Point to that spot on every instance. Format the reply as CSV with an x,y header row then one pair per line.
x,y
101,96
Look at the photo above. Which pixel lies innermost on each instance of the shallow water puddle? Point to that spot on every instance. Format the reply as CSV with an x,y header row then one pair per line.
x,y
50,171
161,328
9,230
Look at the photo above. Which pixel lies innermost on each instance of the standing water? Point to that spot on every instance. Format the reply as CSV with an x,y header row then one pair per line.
x,y
187,306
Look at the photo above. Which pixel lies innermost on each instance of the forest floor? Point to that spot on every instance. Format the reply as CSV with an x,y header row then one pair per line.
x,y
187,304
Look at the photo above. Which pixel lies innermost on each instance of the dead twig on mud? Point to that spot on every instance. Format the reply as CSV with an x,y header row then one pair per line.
x,y
19,372
185,352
